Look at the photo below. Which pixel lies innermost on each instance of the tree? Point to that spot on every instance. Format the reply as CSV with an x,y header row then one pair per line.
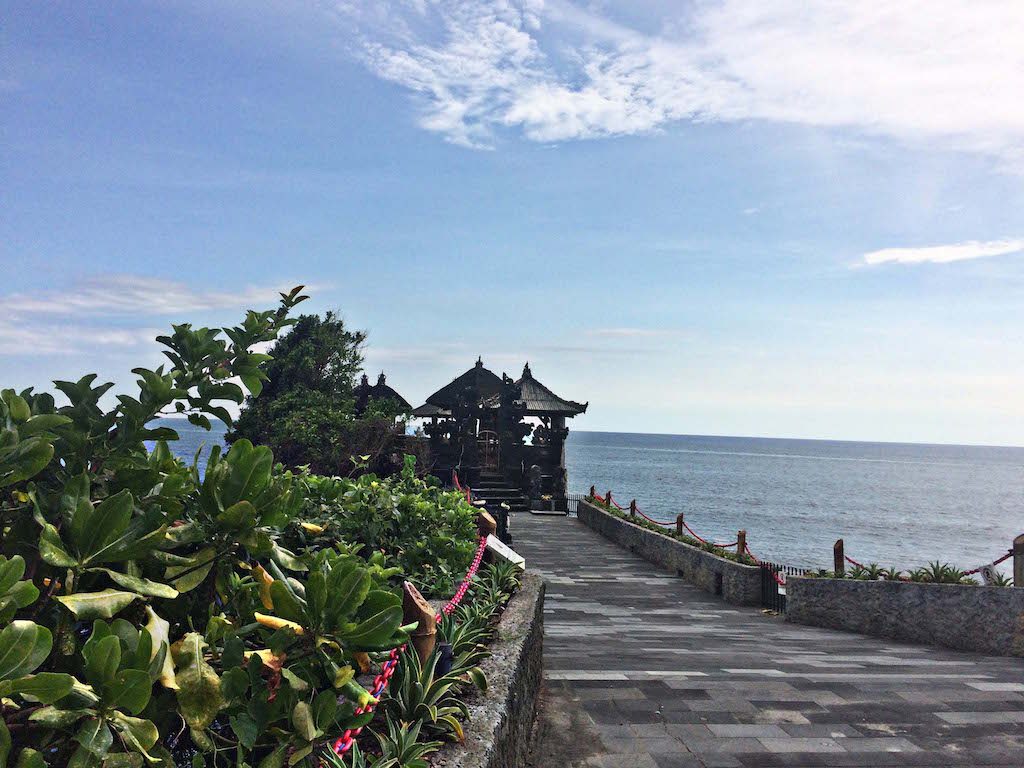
x,y
306,412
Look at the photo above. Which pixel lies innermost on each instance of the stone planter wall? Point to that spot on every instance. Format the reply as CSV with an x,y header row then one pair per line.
x,y
735,583
500,720
984,619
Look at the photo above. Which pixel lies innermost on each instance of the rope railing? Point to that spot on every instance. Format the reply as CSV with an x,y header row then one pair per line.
x,y
380,682
464,490
668,524
777,573
971,572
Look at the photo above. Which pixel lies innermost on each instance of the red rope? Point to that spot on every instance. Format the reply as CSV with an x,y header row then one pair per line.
x,y
380,682
468,492
971,572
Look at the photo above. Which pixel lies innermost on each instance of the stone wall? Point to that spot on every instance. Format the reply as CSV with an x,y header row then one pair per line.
x,y
733,582
984,619
500,720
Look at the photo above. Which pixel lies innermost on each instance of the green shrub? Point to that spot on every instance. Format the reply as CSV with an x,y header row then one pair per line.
x,y
155,614
428,533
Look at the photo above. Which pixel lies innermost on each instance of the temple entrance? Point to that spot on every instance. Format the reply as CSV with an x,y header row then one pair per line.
x,y
489,450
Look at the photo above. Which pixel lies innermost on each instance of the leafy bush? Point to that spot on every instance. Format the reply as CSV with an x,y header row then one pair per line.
x,y
156,614
425,531
307,411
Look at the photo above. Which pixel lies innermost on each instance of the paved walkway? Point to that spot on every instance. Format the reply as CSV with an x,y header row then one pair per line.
x,y
645,671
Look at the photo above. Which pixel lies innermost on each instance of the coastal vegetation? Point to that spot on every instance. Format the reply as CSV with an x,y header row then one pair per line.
x,y
305,410
219,613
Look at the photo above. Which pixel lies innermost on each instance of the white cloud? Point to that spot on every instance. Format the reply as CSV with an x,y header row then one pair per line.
x,y
31,338
943,254
134,294
944,71
632,333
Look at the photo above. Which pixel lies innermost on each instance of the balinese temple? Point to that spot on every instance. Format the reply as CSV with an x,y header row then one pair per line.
x,y
365,394
478,427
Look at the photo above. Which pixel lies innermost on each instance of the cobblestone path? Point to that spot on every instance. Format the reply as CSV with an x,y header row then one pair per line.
x,y
645,671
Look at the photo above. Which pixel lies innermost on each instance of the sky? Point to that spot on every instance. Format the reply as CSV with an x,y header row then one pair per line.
x,y
802,218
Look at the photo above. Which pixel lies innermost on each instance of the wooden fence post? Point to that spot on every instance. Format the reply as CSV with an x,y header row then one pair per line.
x,y
608,499
838,558
632,508
593,492
1018,561
741,543
679,524
416,609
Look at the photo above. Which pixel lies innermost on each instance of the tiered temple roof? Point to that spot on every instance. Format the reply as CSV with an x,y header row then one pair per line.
x,y
539,400
380,391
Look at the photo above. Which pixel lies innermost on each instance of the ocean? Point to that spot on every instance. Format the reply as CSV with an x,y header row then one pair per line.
x,y
895,504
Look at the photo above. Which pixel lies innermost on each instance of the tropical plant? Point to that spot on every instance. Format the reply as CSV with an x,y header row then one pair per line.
x,y
426,532
307,411
892,574
400,746
420,693
156,613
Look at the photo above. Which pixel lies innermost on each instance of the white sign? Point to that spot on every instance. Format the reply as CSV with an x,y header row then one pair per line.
x,y
988,574
503,550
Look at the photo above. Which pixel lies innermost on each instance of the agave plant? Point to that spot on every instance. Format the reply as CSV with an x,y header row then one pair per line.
x,y
892,574
400,747
1001,580
419,694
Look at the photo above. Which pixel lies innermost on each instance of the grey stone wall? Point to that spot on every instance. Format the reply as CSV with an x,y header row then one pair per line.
x,y
984,619
735,583
500,720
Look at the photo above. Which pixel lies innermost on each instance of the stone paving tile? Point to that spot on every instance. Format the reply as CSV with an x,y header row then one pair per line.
x,y
669,677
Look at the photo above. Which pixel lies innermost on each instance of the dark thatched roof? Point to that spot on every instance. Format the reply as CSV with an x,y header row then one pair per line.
x,y
539,400
477,378
380,391
427,411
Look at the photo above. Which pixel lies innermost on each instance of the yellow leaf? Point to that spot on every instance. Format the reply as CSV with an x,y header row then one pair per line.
x,y
274,622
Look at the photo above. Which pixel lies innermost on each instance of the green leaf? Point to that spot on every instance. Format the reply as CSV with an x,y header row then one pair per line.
x,y
53,717
242,514
18,407
199,696
102,653
92,605
377,628
11,572
30,758
252,383
185,578
138,733
245,729
44,422
141,586
46,687
302,721
94,735
5,743
28,459
93,529
51,548
130,690
286,606
24,645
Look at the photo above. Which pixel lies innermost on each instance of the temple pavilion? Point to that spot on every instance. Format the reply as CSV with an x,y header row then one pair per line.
x,y
504,437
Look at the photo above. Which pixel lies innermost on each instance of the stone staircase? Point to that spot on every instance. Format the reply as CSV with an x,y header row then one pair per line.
x,y
493,488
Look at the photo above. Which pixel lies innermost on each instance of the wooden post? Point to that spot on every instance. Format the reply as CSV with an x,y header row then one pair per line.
x,y
593,492
838,558
485,524
741,543
679,524
632,508
608,499
1018,561
415,608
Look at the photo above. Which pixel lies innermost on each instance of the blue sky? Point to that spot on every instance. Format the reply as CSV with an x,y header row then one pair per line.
x,y
789,219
